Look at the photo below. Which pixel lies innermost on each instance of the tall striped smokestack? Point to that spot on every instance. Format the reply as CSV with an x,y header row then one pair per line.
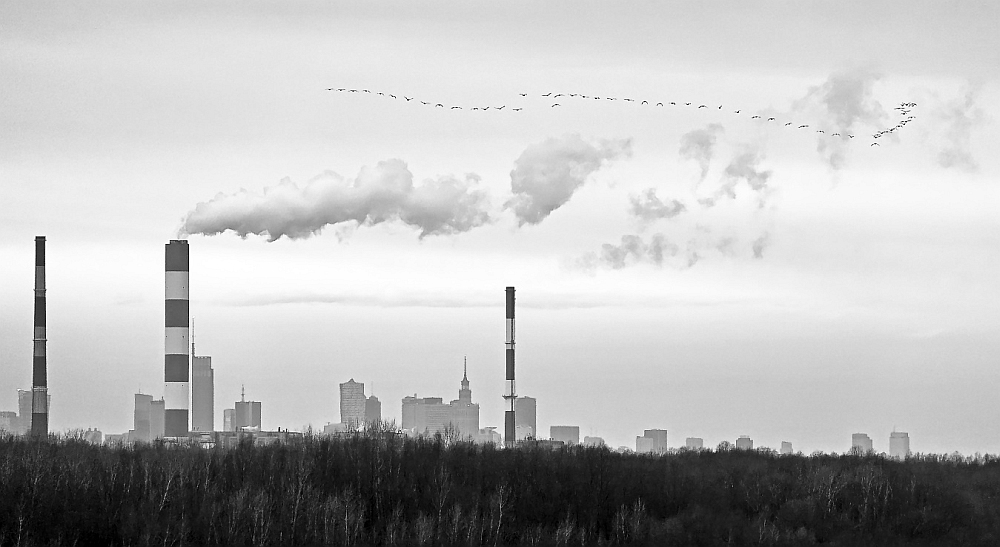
x,y
176,367
39,379
509,392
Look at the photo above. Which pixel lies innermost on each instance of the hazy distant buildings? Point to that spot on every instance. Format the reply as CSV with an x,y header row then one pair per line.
x,y
431,416
861,443
899,445
569,434
526,424
352,404
786,448
593,441
202,393
246,414
652,441
93,436
694,443
744,442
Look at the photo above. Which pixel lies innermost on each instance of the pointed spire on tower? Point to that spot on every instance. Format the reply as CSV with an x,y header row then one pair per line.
x,y
465,368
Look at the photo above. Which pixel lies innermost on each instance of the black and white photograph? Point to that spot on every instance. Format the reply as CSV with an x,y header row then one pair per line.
x,y
470,273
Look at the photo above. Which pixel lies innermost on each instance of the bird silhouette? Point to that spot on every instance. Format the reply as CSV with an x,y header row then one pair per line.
x,y
393,96
754,117
341,88
787,124
874,144
675,104
486,108
475,108
851,136
820,131
584,96
382,94
834,134
547,94
439,104
645,102
573,94
500,107
659,104
596,97
524,94
770,119
702,106
687,104
629,100
366,91
801,126
454,107
516,109
352,90
737,112
720,107
424,102
408,99
558,95
555,105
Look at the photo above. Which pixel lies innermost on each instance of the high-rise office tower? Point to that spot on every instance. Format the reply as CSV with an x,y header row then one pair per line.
x,y
899,445
157,419
786,447
39,375
176,368
373,410
652,441
352,403
464,413
694,443
141,418
861,443
744,442
569,434
526,423
202,393
510,393
246,413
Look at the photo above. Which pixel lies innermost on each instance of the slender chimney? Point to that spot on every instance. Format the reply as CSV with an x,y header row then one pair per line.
x,y
39,380
510,393
176,367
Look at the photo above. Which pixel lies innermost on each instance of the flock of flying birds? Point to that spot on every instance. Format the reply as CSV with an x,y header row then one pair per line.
x,y
904,109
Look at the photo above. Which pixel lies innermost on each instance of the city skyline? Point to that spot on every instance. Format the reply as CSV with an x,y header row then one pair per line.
x,y
689,269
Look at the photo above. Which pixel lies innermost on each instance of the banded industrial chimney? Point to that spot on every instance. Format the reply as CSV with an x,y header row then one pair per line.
x,y
39,380
510,394
176,367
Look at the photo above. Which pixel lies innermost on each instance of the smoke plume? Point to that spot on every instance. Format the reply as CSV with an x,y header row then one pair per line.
x,y
547,174
699,145
959,117
445,205
648,207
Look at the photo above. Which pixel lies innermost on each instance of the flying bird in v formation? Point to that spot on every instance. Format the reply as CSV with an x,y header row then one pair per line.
x,y
904,109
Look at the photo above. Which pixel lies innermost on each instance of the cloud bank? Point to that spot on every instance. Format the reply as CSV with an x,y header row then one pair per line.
x,y
846,101
546,174
386,192
647,206
959,117
699,145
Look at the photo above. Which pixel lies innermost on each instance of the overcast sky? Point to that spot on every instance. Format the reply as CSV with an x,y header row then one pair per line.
x,y
685,268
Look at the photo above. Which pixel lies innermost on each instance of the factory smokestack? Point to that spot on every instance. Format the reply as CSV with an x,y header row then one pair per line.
x,y
39,380
510,393
176,368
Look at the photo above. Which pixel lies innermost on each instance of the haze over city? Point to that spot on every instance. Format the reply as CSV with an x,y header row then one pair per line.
x,y
691,269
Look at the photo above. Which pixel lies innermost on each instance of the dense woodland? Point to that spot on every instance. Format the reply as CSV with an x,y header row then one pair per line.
x,y
377,488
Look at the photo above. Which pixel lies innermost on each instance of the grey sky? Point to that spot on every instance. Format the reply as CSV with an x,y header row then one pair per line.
x,y
873,303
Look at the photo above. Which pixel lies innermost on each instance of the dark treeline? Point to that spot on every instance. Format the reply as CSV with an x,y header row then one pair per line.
x,y
379,489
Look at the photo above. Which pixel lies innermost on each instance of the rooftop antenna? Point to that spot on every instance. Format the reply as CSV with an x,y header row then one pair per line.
x,y
243,392
192,337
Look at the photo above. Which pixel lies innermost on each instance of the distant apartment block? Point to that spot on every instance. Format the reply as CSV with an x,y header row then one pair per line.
x,y
352,404
861,443
786,448
593,441
652,441
148,419
744,442
227,419
899,445
568,434
246,414
694,443
525,421
373,410
93,436
9,423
